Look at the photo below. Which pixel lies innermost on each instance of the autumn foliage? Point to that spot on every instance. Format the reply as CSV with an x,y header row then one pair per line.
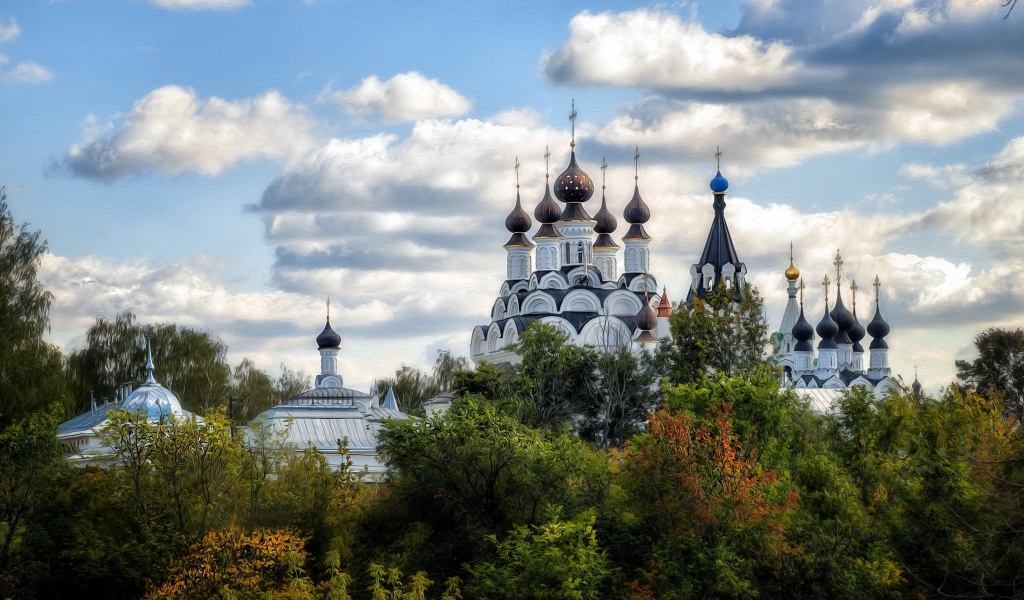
x,y
714,516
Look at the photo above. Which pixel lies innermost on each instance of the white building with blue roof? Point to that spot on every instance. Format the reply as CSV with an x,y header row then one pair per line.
x,y
81,435
341,423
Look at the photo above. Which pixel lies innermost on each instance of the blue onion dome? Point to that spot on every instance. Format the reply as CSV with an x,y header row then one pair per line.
x,y
573,185
518,221
827,329
152,399
547,210
719,184
636,212
328,338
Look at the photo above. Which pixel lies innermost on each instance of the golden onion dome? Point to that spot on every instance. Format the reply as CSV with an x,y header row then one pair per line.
x,y
792,273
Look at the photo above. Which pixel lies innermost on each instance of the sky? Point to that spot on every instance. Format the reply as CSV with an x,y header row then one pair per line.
x,y
229,164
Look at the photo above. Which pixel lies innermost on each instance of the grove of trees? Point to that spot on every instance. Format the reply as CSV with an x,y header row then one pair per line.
x,y
686,472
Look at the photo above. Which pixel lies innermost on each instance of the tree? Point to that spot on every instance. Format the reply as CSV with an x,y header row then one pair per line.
x,y
626,393
32,471
719,334
552,561
233,564
999,367
191,363
30,372
554,380
413,387
473,471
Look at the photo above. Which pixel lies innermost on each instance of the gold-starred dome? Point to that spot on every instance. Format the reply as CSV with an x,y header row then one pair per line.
x,y
792,273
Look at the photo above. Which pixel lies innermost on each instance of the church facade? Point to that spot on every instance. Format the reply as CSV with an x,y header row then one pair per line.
x,y
839,362
568,275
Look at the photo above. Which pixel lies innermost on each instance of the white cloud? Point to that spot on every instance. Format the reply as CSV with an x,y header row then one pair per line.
x,y
652,49
9,33
405,97
26,72
200,4
172,130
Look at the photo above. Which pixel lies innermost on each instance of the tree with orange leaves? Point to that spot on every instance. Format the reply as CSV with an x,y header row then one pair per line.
x,y
714,519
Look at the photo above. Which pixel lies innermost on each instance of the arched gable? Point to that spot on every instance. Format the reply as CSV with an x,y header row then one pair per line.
x,y
479,341
621,302
511,333
498,310
554,280
519,286
606,333
581,301
562,325
833,383
493,337
505,290
538,302
584,273
513,307
637,284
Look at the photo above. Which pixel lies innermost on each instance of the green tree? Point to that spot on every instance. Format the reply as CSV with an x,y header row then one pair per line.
x,y
625,394
32,473
30,372
552,561
554,379
999,367
413,387
474,471
718,334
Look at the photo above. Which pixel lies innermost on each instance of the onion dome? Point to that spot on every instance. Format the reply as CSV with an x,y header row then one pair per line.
x,y
792,273
151,398
827,329
606,222
857,332
878,328
636,213
843,319
328,338
573,185
518,222
547,211
719,184
916,386
803,333
646,320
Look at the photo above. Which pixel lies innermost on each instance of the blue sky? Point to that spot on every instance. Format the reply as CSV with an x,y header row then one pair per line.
x,y
228,164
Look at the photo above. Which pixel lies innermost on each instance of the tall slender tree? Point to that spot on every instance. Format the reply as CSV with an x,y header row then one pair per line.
x,y
30,369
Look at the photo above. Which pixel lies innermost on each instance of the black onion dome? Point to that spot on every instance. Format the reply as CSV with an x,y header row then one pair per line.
x,y
878,328
827,329
916,386
606,222
328,338
636,211
573,185
842,315
646,319
518,221
547,211
857,332
802,330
